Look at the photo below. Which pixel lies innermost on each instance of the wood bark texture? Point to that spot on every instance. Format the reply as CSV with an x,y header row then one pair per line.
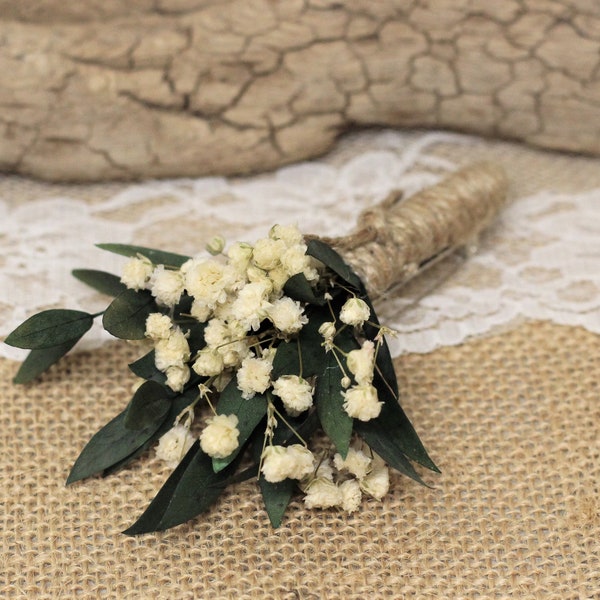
x,y
121,89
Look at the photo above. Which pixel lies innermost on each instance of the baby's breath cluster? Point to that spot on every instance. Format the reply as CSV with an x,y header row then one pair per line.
x,y
239,299
276,340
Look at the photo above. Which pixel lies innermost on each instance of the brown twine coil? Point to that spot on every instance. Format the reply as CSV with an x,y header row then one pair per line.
x,y
397,239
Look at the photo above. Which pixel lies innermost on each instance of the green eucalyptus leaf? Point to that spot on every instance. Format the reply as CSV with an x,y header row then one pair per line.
x,y
158,257
299,288
149,406
50,328
126,315
249,413
392,436
38,361
192,488
310,340
276,497
394,424
330,258
286,360
329,400
178,403
112,444
145,368
103,282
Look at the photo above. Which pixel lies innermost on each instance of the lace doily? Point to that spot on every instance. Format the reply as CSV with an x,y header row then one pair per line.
x,y
539,261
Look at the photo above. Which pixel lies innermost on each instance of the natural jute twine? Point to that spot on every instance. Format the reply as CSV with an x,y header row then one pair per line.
x,y
397,239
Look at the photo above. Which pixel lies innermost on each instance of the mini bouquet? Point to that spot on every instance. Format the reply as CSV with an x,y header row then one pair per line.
x,y
277,341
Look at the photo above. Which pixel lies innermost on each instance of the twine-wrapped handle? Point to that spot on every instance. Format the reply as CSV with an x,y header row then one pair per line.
x,y
398,238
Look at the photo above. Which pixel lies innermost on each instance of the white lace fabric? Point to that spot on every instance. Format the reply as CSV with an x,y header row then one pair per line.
x,y
539,261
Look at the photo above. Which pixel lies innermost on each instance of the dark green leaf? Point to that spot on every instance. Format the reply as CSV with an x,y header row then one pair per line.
x,y
50,328
178,403
310,340
298,288
392,436
393,423
330,258
38,361
149,406
190,490
330,406
144,366
113,443
305,350
105,283
276,497
249,413
158,257
286,360
126,315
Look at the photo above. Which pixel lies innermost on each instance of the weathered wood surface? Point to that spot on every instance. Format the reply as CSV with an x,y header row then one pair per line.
x,y
152,88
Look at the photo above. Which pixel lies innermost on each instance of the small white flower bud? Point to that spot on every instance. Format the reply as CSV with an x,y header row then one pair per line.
x,y
354,312
215,245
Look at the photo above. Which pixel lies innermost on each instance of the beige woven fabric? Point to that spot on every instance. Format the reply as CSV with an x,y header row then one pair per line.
x,y
513,421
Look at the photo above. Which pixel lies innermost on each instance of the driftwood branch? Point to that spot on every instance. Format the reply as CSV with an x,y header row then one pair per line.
x,y
121,89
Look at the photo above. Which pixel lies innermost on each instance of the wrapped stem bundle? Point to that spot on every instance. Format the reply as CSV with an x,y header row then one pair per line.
x,y
397,239
278,340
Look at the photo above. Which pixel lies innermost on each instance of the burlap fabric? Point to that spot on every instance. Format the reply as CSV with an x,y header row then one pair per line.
x,y
513,420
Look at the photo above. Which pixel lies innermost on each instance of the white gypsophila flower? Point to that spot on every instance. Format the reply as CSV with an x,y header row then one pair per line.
x,y
287,315
302,461
295,260
267,252
327,331
377,482
158,326
177,377
354,312
269,354
251,304
200,310
351,495
136,273
215,245
216,333
278,278
361,402
295,392
208,363
239,255
289,234
220,436
208,281
345,382
174,444
229,339
275,464
325,470
254,376
356,462
171,351
322,493
166,285
291,462
361,363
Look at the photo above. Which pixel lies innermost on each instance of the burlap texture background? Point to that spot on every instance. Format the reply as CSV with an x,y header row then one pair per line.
x,y
512,420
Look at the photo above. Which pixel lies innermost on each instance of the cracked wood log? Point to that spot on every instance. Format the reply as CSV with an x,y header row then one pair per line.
x,y
116,89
